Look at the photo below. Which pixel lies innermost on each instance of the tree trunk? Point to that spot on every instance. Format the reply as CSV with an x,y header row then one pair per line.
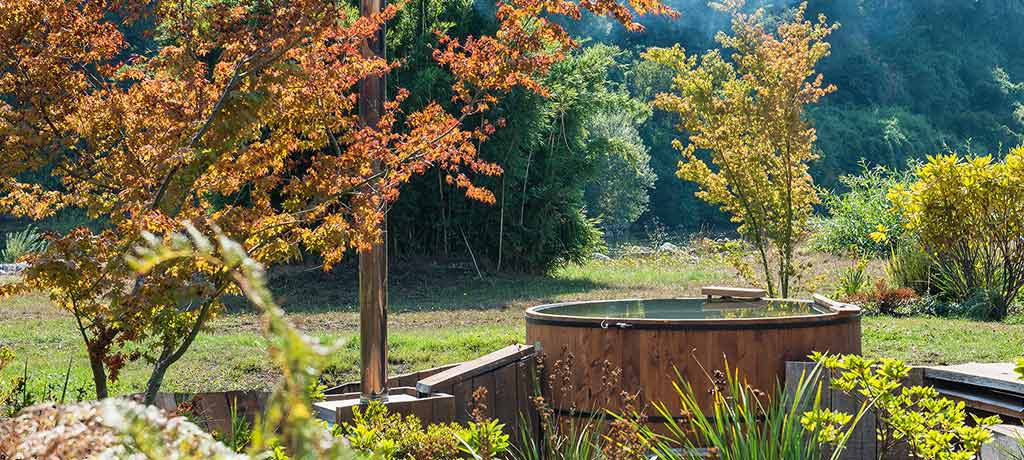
x,y
99,378
156,379
169,355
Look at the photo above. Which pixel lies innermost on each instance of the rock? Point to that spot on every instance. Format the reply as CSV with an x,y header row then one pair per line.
x,y
12,269
601,257
668,247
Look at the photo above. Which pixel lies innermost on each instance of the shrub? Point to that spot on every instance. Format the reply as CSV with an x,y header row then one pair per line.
x,y
968,213
394,437
853,280
861,210
930,426
484,439
909,266
888,300
116,428
19,244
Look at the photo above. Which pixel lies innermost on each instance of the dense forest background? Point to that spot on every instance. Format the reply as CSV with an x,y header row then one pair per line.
x,y
593,162
913,78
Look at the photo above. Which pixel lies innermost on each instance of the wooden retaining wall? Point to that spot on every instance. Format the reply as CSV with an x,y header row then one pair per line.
x,y
506,377
212,411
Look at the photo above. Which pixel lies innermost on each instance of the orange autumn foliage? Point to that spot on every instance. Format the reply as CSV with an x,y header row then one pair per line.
x,y
245,119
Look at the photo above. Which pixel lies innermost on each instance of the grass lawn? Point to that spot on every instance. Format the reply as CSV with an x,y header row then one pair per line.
x,y
442,314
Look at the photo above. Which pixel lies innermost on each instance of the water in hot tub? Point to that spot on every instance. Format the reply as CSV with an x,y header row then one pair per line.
x,y
685,309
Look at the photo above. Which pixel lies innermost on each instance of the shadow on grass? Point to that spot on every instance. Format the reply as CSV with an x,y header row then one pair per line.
x,y
414,287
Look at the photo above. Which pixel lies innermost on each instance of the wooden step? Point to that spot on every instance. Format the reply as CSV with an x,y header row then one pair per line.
x,y
989,387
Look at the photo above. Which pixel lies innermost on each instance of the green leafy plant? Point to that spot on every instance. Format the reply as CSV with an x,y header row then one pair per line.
x,y
374,429
572,439
744,423
929,426
484,440
19,244
909,266
241,431
853,280
854,214
288,428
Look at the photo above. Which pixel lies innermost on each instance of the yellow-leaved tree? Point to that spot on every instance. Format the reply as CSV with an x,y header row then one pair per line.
x,y
748,113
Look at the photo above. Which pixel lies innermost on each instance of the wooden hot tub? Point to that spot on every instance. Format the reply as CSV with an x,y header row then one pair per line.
x,y
649,339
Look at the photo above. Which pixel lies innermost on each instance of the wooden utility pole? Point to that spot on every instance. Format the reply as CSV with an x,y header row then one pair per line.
x,y
373,263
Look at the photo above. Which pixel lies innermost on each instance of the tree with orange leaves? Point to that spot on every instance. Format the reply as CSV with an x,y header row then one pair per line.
x,y
244,120
749,114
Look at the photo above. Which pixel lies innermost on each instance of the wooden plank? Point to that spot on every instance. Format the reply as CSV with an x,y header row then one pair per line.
x,y
795,370
487,381
463,395
431,409
838,307
997,376
526,385
470,369
992,403
863,443
1005,443
505,397
736,293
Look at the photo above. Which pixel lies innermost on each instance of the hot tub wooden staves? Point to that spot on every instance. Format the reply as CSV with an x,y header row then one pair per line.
x,y
590,361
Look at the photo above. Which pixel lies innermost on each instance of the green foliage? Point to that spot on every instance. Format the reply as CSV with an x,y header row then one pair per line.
x,y
914,77
864,208
573,166
853,280
19,244
619,193
25,390
967,213
577,439
484,439
374,429
930,426
744,422
909,266
888,137
288,427
240,436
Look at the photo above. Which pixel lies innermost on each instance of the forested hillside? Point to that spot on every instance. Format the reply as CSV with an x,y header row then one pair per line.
x,y
913,77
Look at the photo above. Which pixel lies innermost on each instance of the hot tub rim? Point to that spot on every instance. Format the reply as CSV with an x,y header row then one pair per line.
x,y
535,315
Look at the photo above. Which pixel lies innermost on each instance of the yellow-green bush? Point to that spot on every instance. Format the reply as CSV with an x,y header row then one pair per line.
x,y
968,213
917,418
